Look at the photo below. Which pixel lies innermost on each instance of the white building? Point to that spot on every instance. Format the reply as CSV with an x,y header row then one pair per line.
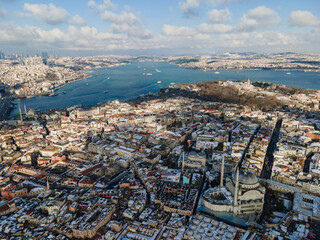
x,y
242,194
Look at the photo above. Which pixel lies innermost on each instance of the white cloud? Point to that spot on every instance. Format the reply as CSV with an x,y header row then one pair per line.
x,y
219,16
214,28
125,22
106,5
123,17
303,18
188,7
259,18
131,30
77,20
52,36
201,36
171,30
180,39
48,13
223,2
22,14
37,38
261,40
3,12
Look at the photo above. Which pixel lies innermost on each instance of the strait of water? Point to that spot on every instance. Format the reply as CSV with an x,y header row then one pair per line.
x,y
129,81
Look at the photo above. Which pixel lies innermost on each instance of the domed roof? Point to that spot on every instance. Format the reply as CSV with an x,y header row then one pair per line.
x,y
246,177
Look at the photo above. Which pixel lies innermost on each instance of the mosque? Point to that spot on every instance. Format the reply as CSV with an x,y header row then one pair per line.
x,y
242,194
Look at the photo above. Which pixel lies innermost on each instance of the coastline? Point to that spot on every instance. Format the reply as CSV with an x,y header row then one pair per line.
x,y
143,86
244,69
85,77
163,93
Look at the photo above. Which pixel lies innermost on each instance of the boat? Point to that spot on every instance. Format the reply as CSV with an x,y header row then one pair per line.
x,y
108,77
157,70
149,74
106,91
172,83
216,72
288,73
87,84
53,94
95,73
159,82
64,92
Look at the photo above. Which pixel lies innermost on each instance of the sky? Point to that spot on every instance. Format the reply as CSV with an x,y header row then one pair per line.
x,y
159,27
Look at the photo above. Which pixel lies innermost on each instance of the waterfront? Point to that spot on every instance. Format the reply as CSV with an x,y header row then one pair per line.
x,y
129,81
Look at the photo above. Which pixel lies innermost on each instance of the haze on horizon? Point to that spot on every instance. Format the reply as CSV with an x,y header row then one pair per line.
x,y
168,27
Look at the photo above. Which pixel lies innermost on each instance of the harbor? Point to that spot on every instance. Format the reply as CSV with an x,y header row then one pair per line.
x,y
128,82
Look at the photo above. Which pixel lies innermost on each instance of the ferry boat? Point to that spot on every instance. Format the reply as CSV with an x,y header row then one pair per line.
x,y
159,82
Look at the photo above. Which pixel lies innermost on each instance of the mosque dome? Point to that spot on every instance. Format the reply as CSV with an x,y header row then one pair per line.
x,y
246,177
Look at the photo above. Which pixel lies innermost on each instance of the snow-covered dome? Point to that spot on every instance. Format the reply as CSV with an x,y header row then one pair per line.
x,y
246,177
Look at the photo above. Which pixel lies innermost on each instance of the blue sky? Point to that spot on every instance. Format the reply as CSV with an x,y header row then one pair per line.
x,y
166,27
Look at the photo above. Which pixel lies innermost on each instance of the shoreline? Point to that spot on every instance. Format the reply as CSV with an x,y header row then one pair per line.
x,y
161,94
55,89
84,78
89,75
247,69
186,67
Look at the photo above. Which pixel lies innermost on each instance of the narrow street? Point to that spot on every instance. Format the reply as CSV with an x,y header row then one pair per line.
x,y
268,161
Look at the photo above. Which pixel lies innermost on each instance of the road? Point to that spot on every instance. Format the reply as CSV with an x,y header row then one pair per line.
x,y
268,161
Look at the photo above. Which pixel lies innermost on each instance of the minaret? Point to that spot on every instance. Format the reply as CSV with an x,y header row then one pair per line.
x,y
236,188
20,114
48,186
222,172
25,109
183,161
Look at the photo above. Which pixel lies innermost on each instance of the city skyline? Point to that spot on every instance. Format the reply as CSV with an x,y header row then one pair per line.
x,y
80,28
